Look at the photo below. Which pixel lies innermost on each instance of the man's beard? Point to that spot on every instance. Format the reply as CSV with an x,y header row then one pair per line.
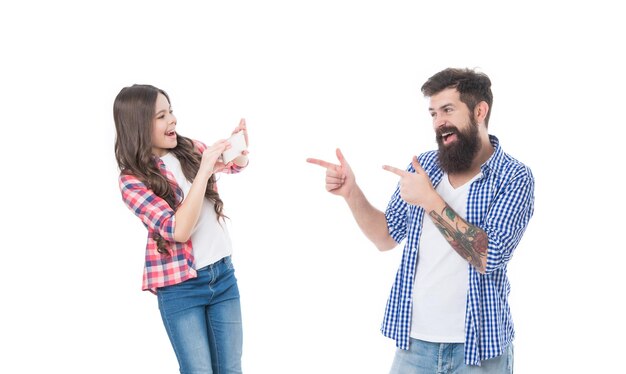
x,y
458,156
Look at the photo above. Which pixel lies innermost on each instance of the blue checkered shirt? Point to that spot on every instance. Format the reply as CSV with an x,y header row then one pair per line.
x,y
500,202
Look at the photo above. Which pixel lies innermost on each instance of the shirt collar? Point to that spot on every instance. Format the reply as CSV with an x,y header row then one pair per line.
x,y
497,158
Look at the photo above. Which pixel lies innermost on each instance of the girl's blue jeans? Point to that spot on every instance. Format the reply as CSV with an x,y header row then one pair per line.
x,y
202,317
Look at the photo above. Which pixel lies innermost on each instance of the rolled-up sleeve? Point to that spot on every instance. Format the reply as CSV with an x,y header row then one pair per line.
x,y
508,218
154,211
396,217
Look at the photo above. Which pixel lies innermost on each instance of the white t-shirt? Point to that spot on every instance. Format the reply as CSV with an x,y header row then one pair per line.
x,y
210,240
441,277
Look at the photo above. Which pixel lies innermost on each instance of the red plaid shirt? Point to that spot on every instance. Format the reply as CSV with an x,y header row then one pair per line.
x,y
158,216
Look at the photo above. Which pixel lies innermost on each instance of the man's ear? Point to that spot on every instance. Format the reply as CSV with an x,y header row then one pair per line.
x,y
480,111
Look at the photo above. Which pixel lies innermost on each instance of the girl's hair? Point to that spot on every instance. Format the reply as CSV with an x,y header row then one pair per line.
x,y
133,112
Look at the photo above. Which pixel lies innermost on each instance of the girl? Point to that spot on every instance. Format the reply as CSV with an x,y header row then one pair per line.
x,y
169,182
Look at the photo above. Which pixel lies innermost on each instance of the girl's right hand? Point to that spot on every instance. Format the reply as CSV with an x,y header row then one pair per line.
x,y
211,162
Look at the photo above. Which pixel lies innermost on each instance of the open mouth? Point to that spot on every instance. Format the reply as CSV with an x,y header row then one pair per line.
x,y
447,136
171,133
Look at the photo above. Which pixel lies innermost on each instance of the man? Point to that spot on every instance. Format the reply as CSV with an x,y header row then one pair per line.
x,y
463,210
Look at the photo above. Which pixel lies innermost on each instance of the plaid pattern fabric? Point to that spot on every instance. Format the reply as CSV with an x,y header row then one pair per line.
x,y
501,202
158,217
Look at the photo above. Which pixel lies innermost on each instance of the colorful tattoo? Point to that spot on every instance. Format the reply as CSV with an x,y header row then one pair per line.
x,y
469,241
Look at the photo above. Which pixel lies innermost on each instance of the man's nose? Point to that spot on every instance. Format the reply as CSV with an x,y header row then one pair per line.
x,y
439,122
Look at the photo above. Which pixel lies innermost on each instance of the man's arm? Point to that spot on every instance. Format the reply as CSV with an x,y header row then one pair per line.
x,y
340,181
469,241
371,221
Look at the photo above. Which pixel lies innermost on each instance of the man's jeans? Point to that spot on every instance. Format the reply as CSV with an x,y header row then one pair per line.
x,y
202,317
446,358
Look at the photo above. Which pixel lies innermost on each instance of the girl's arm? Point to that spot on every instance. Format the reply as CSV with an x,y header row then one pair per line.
x,y
188,212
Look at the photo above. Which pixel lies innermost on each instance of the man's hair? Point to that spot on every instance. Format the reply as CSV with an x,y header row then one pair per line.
x,y
472,86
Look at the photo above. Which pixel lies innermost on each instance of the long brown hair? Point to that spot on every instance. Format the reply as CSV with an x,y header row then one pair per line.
x,y
133,113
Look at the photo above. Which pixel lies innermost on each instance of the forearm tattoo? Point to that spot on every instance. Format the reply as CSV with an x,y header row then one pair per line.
x,y
469,241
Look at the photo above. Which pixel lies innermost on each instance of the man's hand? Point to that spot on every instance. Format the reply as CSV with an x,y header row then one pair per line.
x,y
339,178
415,188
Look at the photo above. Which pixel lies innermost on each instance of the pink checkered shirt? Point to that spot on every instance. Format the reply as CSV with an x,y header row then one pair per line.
x,y
156,214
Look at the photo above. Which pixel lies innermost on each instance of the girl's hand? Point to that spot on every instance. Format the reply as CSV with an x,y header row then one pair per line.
x,y
211,162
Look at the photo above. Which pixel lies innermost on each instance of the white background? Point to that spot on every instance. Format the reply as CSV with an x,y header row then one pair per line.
x,y
308,77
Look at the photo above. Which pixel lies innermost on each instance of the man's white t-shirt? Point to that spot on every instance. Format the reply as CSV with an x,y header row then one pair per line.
x,y
441,277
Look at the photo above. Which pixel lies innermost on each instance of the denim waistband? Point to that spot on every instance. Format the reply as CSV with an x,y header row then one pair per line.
x,y
223,260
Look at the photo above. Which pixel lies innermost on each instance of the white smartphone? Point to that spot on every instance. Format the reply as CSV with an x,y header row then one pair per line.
x,y
237,145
